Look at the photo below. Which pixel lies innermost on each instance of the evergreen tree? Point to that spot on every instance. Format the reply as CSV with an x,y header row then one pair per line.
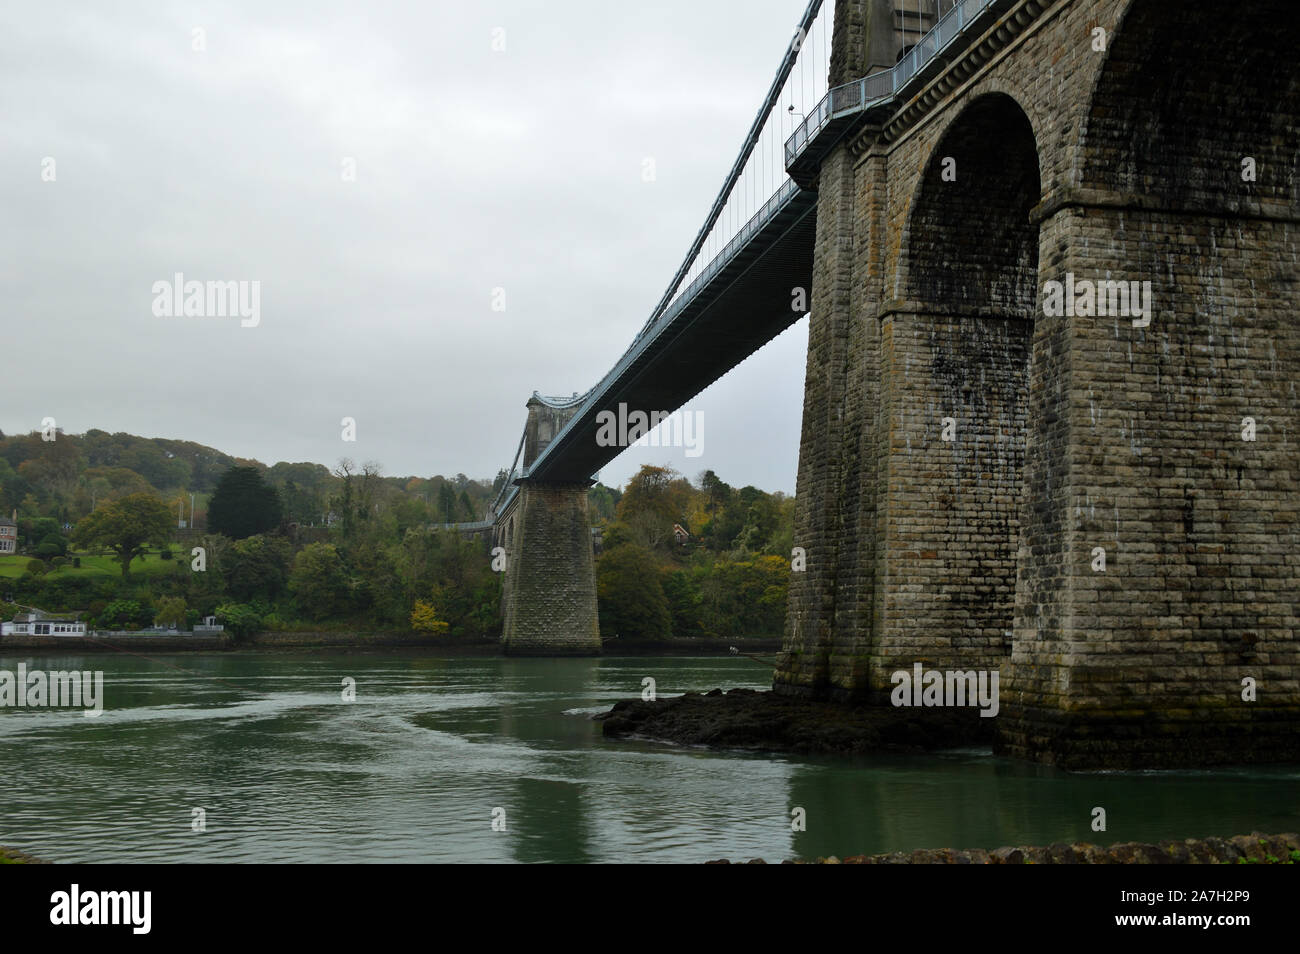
x,y
243,504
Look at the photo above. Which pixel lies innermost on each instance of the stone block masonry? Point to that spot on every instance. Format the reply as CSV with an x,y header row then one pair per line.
x,y
548,600
550,585
1108,139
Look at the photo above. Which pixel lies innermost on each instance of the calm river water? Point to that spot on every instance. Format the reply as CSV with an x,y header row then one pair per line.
x,y
414,769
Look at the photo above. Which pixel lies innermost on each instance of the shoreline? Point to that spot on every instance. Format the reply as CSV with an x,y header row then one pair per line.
x,y
1255,848
315,641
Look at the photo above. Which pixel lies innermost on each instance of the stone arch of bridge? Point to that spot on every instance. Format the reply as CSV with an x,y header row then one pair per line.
x,y
969,239
958,345
1188,91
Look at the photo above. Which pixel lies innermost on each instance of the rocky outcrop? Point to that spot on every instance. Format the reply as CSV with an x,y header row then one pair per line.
x,y
765,721
1255,848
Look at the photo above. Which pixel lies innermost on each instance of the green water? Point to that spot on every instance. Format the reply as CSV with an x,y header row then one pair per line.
x,y
286,771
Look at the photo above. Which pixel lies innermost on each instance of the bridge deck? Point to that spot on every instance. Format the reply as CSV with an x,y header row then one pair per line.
x,y
739,304
743,298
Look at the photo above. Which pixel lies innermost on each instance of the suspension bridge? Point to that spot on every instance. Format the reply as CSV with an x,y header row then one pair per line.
x,y
916,172
746,277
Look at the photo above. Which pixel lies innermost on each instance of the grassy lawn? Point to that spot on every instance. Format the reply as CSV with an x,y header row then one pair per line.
x,y
12,567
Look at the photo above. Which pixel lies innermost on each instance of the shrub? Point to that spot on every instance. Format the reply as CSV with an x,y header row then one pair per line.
x,y
36,567
424,619
124,614
239,619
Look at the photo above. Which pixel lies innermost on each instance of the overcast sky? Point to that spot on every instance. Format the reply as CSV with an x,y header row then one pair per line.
x,y
475,169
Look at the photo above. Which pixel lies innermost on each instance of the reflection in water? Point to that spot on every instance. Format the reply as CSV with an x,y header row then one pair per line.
x,y
285,770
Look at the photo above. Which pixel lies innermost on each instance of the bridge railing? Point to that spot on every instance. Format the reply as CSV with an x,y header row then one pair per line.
x,y
466,525
757,186
758,172
754,191
880,87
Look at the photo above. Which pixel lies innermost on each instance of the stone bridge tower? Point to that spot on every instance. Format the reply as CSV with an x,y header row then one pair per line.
x,y
549,599
1103,506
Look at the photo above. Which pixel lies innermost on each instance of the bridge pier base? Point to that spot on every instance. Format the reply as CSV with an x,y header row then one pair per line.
x,y
550,582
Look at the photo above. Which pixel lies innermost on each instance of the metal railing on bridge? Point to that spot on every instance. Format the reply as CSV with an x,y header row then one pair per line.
x,y
758,186
758,173
879,88
467,526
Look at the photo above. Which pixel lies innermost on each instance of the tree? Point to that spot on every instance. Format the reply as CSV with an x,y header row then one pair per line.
x,y
655,499
356,501
744,597
55,467
630,594
243,504
319,583
424,619
454,575
171,612
126,526
106,482
447,503
602,503
256,567
123,614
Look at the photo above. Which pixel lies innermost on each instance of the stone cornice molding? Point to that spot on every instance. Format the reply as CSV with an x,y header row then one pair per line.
x,y
965,65
1072,197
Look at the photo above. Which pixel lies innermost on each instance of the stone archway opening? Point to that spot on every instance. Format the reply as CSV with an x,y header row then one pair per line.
x,y
1190,91
971,241
961,343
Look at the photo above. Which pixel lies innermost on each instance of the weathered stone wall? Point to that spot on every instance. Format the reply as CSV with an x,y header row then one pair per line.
x,y
848,39
548,597
825,510
1144,663
1074,432
883,530
951,529
550,585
